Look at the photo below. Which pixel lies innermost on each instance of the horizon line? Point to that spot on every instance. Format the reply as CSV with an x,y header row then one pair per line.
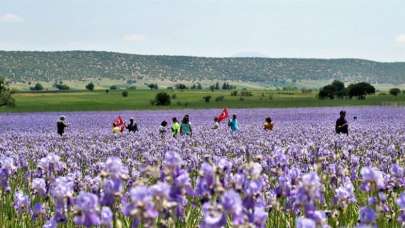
x,y
213,57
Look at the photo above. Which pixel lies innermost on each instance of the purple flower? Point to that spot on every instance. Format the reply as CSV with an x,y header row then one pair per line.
x,y
367,215
51,164
345,194
172,159
106,217
372,175
39,186
302,222
138,204
21,202
213,216
37,210
401,201
115,168
87,203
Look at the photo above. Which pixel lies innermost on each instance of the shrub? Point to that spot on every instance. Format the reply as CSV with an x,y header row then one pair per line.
x,y
174,96
6,98
153,86
245,93
219,98
163,99
113,87
61,86
234,93
207,98
90,86
107,91
124,93
395,91
181,86
37,87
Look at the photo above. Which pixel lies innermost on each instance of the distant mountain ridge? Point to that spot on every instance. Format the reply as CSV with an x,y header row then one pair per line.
x,y
81,65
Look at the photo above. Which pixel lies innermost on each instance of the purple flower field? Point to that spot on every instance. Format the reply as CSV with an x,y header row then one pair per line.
x,y
299,175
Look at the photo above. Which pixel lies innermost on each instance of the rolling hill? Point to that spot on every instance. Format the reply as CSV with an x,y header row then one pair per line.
x,y
23,66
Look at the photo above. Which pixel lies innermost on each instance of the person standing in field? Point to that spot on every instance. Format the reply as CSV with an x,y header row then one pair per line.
x,y
233,124
185,127
61,125
268,125
162,128
175,127
342,127
132,126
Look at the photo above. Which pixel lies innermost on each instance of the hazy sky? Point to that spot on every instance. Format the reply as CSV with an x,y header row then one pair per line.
x,y
371,29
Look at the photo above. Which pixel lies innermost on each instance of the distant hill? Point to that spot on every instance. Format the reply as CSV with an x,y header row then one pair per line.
x,y
81,65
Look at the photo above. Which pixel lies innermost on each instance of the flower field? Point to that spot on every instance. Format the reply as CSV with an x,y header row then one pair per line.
x,y
300,175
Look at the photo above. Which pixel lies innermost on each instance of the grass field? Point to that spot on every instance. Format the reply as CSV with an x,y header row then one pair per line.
x,y
141,99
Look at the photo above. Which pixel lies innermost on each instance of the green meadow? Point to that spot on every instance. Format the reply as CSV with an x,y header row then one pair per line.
x,y
141,100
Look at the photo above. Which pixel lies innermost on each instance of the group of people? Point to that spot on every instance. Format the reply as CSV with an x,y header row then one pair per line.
x,y
184,128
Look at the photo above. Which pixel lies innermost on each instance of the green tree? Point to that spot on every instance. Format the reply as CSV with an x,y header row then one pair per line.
x,y
360,90
181,86
153,86
395,91
339,86
61,86
37,87
90,86
163,99
207,99
124,93
327,91
6,98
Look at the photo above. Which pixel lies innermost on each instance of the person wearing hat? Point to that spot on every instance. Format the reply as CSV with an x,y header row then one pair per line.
x,y
61,125
132,126
342,127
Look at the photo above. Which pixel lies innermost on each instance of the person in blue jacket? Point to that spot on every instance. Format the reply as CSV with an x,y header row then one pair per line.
x,y
233,124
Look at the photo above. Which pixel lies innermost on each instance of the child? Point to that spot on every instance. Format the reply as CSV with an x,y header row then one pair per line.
x,y
268,125
233,124
185,127
115,129
216,123
162,128
175,127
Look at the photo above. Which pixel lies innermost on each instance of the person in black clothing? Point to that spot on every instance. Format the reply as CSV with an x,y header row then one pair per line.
x,y
132,126
61,125
341,124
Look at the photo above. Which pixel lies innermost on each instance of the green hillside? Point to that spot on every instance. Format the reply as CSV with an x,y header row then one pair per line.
x,y
84,65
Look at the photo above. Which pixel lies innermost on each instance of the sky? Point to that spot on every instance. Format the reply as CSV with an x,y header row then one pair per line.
x,y
367,29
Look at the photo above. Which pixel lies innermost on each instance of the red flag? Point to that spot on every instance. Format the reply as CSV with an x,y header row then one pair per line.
x,y
224,115
119,122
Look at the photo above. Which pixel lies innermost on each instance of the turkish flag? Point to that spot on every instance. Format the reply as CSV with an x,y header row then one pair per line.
x,y
224,115
119,122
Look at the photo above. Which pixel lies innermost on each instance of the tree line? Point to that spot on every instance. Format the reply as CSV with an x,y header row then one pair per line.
x,y
337,89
